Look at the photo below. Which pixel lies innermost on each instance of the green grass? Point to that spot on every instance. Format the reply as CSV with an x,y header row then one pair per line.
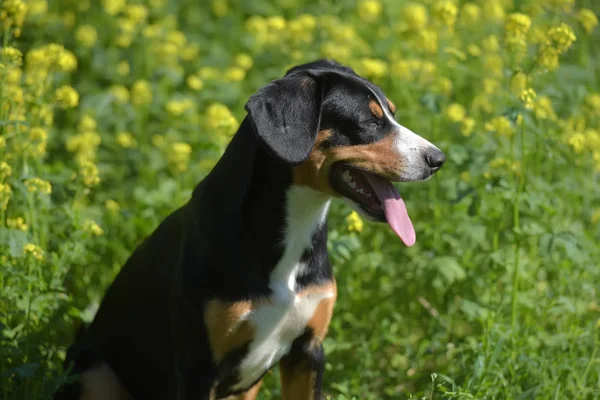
x,y
498,299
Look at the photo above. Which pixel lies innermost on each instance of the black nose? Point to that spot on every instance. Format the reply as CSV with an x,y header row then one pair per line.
x,y
435,158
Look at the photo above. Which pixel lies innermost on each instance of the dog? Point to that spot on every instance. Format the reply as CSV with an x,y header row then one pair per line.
x,y
238,279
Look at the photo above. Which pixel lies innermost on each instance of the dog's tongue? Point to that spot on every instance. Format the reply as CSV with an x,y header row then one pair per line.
x,y
394,208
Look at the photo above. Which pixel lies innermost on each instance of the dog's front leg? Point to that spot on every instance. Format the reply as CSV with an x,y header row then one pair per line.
x,y
301,369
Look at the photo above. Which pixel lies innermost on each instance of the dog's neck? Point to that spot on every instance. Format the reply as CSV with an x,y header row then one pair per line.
x,y
275,224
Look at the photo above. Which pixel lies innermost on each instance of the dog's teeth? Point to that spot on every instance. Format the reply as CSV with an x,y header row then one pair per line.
x,y
359,190
346,176
352,184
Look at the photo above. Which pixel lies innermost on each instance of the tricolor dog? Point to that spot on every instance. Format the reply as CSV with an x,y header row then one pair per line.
x,y
238,279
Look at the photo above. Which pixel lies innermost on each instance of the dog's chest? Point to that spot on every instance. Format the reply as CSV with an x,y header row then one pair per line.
x,y
276,323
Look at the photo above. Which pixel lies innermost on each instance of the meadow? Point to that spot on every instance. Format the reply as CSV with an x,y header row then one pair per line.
x,y
111,111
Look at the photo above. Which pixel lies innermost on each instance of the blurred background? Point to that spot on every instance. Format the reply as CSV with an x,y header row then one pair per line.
x,y
112,110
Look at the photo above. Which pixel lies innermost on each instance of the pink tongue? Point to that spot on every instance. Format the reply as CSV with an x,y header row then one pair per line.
x,y
394,208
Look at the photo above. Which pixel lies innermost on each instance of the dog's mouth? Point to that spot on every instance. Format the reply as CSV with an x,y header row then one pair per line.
x,y
374,196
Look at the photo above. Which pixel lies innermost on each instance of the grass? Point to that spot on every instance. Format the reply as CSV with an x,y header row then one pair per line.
x,y
116,109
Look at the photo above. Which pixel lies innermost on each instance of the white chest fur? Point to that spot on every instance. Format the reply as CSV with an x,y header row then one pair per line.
x,y
283,317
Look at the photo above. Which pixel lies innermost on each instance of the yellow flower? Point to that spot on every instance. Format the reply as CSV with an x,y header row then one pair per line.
x,y
517,24
17,223
179,107
38,138
86,35
427,40
500,125
445,12
527,96
402,70
12,56
444,85
137,13
113,7
516,45
5,170
474,50
123,68
470,14
415,16
373,68
276,23
220,7
467,126
92,227
592,102
124,139
12,15
112,206
244,61
577,141
587,19
220,120
548,58
179,156
89,173
5,194
561,37
66,97
355,223
141,93
455,112
33,250
592,137
543,108
234,74
369,10
518,83
2,142
194,82
120,93
491,44
87,123
36,184
493,10
37,7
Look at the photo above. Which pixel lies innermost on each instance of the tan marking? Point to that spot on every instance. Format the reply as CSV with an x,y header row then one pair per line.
x,y
391,105
297,382
319,323
226,328
249,394
101,383
376,109
379,158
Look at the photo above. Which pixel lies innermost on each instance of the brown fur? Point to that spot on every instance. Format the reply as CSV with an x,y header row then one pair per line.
x,y
249,394
101,383
391,105
376,109
297,382
378,158
225,332
319,323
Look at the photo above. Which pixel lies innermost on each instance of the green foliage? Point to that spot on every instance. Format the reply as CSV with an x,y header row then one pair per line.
x,y
105,134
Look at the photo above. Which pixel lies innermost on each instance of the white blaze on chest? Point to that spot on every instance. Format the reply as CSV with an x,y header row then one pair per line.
x,y
279,320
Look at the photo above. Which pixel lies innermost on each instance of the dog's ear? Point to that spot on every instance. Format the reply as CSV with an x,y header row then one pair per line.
x,y
286,114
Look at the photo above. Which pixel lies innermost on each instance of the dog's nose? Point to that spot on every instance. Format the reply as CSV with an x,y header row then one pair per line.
x,y
435,158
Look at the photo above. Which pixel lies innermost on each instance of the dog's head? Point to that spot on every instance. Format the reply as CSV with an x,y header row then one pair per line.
x,y
337,132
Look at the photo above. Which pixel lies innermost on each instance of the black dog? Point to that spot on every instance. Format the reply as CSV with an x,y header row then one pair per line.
x,y
238,279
